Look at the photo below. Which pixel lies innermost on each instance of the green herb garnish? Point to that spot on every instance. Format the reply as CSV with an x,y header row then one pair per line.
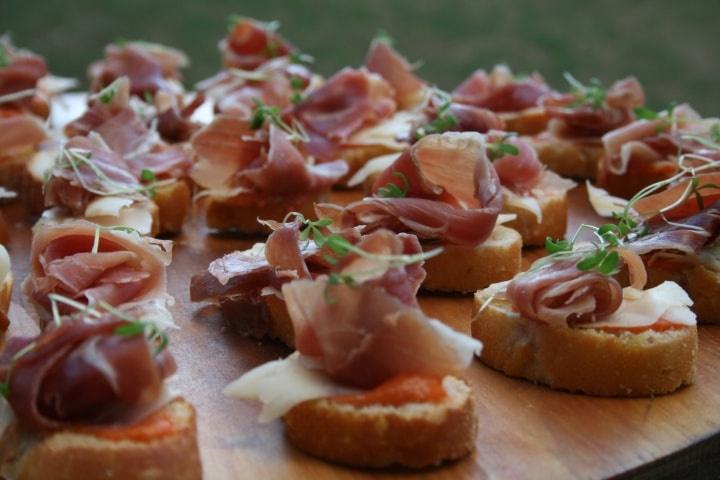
x,y
393,191
263,113
107,94
499,148
444,120
592,95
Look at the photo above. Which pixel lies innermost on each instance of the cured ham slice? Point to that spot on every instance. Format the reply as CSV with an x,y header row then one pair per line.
x,y
88,263
580,119
251,43
20,79
453,193
364,334
20,134
500,91
233,156
79,372
519,172
389,64
561,295
349,101
670,202
149,67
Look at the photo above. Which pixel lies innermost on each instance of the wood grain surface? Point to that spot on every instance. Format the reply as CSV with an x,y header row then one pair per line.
x,y
526,431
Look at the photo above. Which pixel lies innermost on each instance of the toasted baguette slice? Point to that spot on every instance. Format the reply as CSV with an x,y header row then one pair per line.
x,y
467,269
241,213
584,360
78,455
569,158
553,219
414,435
530,121
173,201
17,177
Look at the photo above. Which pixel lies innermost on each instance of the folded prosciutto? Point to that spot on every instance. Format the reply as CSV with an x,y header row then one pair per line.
x,y
360,333
592,113
649,150
93,265
445,188
237,160
87,370
251,43
21,73
500,91
150,67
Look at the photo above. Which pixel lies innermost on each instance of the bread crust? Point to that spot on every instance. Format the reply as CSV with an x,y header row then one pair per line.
x,y
568,158
553,224
173,201
413,435
530,121
241,213
584,360
71,455
17,177
467,269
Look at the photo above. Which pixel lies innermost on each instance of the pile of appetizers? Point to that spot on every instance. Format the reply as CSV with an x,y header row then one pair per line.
x,y
454,186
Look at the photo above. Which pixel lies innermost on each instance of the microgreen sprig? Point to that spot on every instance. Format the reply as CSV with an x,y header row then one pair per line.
x,y
4,57
444,118
499,148
393,191
107,94
5,385
592,95
300,58
263,113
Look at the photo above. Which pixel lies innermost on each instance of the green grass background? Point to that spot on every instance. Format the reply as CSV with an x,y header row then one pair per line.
x,y
671,46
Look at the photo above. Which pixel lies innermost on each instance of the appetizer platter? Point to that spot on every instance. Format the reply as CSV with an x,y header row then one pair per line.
x,y
279,274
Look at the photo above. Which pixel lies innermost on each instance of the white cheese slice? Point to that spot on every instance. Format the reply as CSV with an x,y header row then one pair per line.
x,y
282,384
525,202
604,203
643,308
387,132
4,264
376,165
114,211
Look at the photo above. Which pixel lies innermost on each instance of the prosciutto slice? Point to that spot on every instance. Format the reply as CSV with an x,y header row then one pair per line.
x,y
20,134
22,73
251,43
586,120
500,91
365,334
149,67
81,373
561,295
394,68
349,101
124,268
232,155
688,235
521,172
453,192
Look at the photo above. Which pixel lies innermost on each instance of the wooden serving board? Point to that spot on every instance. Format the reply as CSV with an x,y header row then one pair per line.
x,y
526,431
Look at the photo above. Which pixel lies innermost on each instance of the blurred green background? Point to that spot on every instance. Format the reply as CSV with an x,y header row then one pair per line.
x,y
670,45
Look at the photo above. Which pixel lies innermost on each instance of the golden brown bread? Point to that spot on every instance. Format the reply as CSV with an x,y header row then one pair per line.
x,y
413,435
69,455
553,224
530,121
569,158
584,360
467,269
15,176
241,213
173,202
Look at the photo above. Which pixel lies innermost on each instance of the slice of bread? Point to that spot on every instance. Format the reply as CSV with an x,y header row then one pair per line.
x,y
413,435
568,158
241,213
554,218
590,361
467,269
79,455
16,177
173,201
530,121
